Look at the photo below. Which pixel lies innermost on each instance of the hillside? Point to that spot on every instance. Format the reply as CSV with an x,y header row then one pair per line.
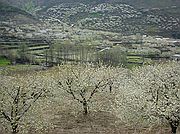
x,y
151,3
14,14
135,3
122,18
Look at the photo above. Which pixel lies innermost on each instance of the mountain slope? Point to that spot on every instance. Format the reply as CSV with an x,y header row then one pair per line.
x,y
10,13
152,17
135,3
117,17
151,3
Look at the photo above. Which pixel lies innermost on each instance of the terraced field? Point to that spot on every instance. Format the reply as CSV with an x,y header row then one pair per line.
x,y
4,61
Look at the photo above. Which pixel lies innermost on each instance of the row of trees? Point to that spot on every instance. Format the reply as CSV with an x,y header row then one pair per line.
x,y
62,53
143,95
153,93
82,53
68,52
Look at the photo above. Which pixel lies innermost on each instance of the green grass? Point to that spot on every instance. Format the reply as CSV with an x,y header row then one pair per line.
x,y
96,15
131,66
19,68
135,59
4,61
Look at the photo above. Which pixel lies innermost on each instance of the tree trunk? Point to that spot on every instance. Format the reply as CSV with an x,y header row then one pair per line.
x,y
174,126
46,56
110,88
85,106
14,128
